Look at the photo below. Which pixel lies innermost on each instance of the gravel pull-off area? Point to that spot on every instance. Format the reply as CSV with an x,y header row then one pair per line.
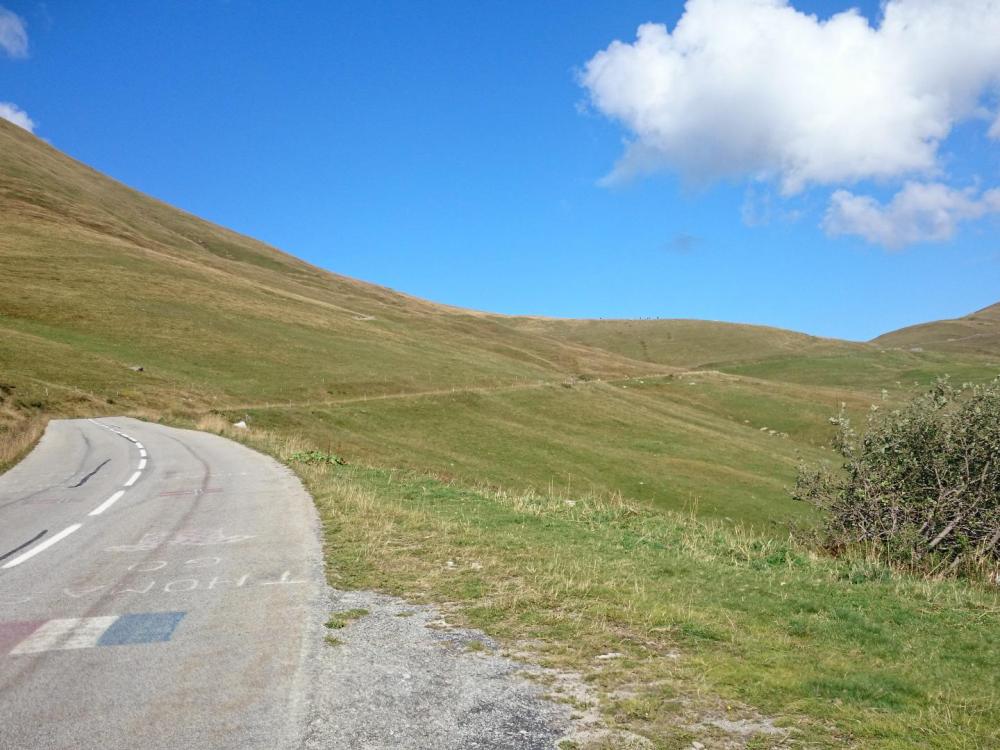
x,y
398,677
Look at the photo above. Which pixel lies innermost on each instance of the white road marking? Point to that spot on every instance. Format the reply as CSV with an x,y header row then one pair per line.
x,y
107,503
43,546
57,635
70,529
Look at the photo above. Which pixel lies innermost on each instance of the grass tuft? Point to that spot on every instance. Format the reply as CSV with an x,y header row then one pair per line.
x,y
340,620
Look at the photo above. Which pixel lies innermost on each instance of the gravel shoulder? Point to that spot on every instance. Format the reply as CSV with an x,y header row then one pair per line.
x,y
396,676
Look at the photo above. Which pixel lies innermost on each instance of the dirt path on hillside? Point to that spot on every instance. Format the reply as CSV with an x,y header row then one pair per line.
x,y
447,392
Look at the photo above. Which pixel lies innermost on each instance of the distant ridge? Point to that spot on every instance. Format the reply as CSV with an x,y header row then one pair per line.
x,y
686,343
976,333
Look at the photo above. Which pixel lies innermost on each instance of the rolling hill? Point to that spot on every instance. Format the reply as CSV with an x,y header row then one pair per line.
x,y
120,279
574,487
976,333
99,279
686,343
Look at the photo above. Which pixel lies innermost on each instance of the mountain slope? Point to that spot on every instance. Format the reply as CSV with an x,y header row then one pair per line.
x,y
978,333
98,277
686,343
444,415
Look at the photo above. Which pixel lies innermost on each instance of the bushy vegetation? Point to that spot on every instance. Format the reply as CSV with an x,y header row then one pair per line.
x,y
317,457
921,486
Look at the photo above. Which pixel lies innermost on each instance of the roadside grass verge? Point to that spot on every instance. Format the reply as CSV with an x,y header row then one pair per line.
x,y
17,438
717,629
641,437
727,445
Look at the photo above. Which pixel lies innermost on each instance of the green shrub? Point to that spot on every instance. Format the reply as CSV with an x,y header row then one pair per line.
x,y
317,457
921,486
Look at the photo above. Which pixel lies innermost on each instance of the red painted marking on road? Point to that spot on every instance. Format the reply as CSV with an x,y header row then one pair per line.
x,y
12,633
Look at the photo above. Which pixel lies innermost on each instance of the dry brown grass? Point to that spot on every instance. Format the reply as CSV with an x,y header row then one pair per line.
x,y
17,438
281,446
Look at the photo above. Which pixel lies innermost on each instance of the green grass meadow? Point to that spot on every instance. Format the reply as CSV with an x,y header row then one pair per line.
x,y
713,621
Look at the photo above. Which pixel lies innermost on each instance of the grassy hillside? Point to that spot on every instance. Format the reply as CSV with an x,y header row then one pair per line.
x,y
98,277
648,438
602,485
968,347
686,343
977,333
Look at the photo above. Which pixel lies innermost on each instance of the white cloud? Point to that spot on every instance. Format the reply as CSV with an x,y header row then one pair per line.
x,y
13,34
920,212
756,89
13,113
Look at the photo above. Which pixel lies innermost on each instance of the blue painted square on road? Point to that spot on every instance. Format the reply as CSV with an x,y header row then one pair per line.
x,y
151,627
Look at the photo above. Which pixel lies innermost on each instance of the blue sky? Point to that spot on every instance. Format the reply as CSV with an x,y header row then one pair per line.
x,y
461,151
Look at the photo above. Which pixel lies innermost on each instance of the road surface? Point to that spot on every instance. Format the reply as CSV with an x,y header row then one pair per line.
x,y
158,589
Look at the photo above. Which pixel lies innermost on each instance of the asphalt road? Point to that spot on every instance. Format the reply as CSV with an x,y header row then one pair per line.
x,y
158,589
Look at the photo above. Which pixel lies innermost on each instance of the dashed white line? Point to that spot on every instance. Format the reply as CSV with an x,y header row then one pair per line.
x,y
96,511
107,503
43,546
